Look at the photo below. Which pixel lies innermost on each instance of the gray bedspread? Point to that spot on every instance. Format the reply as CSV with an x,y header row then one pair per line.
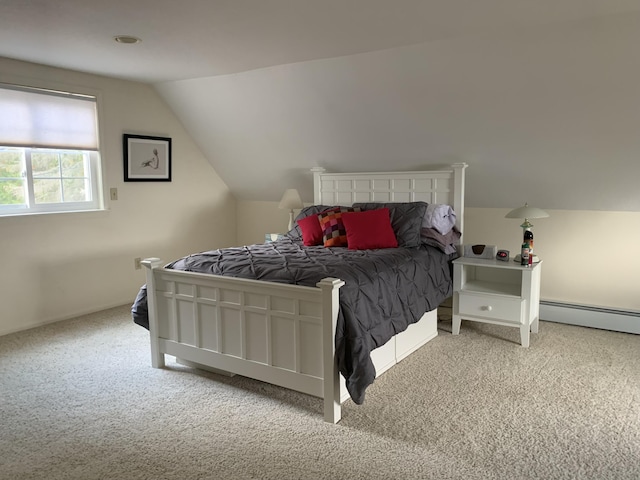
x,y
385,290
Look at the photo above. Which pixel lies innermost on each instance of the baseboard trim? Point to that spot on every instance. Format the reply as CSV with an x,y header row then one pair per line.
x,y
604,318
79,313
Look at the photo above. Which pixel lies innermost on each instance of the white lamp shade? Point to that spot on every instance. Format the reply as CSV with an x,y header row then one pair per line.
x,y
290,200
527,212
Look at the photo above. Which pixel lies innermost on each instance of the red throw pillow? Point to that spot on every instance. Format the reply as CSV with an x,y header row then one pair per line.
x,y
369,229
311,231
333,231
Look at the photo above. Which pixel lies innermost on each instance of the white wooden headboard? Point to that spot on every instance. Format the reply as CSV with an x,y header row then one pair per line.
x,y
444,186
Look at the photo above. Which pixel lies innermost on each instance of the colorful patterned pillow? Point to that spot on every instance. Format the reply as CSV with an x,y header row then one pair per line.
x,y
333,232
311,230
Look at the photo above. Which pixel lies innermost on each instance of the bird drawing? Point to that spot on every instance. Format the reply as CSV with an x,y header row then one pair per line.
x,y
153,162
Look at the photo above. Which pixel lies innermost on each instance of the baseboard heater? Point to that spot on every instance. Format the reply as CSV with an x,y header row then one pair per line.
x,y
605,318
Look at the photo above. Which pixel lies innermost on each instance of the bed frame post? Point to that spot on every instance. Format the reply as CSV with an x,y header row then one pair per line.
x,y
458,198
331,380
157,357
317,184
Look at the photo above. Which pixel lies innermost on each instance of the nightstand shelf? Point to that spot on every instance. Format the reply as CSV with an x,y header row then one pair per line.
x,y
502,293
493,288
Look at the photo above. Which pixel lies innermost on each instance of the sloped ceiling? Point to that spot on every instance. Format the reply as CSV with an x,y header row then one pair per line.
x,y
548,117
540,98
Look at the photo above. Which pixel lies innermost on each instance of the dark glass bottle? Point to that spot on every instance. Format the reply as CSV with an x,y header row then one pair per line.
x,y
524,254
528,238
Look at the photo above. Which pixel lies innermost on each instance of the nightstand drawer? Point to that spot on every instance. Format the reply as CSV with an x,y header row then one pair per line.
x,y
507,309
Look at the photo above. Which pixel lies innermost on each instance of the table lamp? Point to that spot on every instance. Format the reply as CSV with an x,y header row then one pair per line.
x,y
526,213
290,200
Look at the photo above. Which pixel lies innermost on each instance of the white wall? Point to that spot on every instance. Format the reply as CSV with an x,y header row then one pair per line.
x,y
589,257
255,219
58,266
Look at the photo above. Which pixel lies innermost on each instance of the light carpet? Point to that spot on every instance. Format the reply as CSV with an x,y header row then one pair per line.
x,y
79,400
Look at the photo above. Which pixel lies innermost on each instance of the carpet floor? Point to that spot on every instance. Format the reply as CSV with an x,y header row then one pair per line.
x,y
79,400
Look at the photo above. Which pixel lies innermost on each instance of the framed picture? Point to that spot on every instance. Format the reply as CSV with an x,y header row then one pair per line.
x,y
146,159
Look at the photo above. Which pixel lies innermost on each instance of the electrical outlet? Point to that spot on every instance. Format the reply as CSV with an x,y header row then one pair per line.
x,y
114,193
136,263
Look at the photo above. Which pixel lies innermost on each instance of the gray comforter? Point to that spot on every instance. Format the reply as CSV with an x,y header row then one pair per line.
x,y
385,290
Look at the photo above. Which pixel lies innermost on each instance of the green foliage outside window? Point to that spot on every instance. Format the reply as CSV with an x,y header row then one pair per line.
x,y
11,180
58,176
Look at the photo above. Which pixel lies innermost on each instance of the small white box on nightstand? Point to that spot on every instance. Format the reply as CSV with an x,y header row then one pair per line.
x,y
480,251
272,237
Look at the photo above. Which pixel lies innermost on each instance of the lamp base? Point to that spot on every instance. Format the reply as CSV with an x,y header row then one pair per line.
x,y
290,226
518,258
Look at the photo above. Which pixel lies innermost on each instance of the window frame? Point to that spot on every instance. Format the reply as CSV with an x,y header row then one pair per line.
x,y
96,167
31,207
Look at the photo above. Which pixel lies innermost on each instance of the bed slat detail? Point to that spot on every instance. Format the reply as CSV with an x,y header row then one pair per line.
x,y
209,335
283,342
257,327
346,189
174,330
266,373
296,332
269,334
185,321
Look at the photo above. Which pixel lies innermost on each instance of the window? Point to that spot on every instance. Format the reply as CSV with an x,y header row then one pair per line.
x,y
49,158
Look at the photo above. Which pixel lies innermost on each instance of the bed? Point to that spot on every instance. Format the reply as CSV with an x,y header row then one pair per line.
x,y
299,328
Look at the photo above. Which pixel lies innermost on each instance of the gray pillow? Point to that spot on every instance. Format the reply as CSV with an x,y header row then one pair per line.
x,y
406,220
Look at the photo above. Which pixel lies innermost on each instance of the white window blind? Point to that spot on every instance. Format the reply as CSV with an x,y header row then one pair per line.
x,y
49,151
47,119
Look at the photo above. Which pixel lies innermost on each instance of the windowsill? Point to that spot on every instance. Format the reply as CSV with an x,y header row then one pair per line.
x,y
101,211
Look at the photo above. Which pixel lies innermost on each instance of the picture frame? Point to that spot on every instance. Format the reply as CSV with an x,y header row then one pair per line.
x,y
146,158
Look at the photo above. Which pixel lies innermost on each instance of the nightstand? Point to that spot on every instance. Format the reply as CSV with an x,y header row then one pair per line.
x,y
492,291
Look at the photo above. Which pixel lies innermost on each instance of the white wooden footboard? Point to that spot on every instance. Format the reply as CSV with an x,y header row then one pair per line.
x,y
264,330
277,333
